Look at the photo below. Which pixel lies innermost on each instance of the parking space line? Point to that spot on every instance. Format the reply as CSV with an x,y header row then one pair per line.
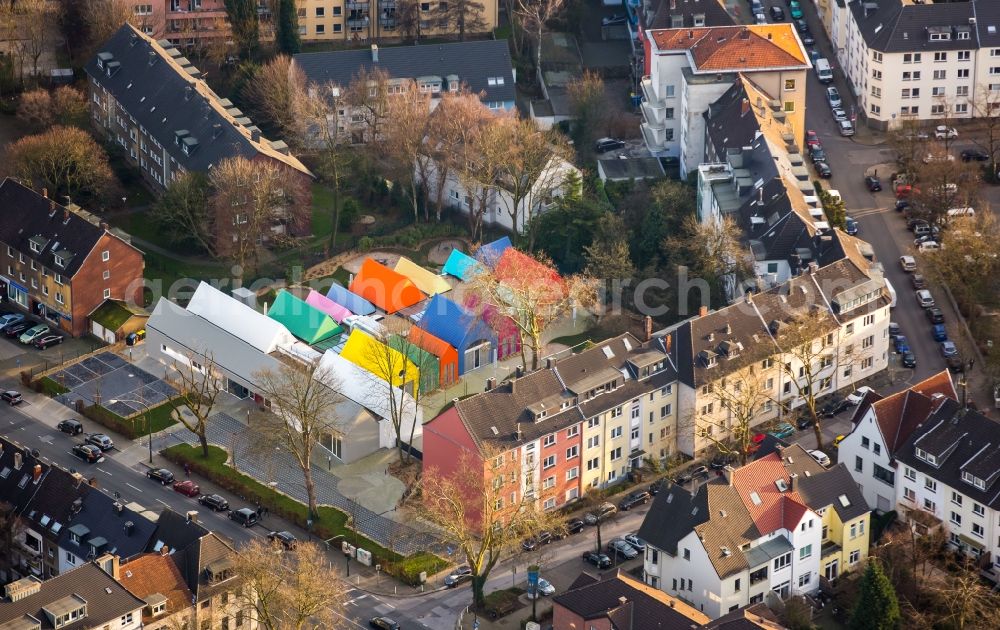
x,y
164,503
133,487
103,471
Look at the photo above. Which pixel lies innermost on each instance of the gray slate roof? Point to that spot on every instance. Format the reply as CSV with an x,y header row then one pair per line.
x,y
472,62
666,13
822,490
107,600
892,26
165,98
102,521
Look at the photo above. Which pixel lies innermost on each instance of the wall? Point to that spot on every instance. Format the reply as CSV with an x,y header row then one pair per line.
x,y
876,492
125,266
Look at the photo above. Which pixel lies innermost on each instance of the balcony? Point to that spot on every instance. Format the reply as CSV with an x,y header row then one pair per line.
x,y
353,5
655,139
654,116
357,24
649,94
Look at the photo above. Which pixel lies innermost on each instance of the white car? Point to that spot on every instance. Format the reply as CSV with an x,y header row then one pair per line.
x,y
822,458
945,133
939,157
846,128
924,297
858,395
908,263
839,114
833,96
929,246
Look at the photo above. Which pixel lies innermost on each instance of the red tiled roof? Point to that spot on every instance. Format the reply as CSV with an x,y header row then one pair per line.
x,y
753,47
154,573
899,414
775,509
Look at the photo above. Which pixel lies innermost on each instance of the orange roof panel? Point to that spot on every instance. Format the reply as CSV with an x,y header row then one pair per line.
x,y
383,287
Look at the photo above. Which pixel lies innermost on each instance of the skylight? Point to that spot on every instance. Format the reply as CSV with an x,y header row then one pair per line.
x,y
844,501
781,485
755,498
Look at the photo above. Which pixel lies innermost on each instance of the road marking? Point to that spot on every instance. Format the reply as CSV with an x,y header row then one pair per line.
x,y
165,504
103,471
347,619
867,212
133,487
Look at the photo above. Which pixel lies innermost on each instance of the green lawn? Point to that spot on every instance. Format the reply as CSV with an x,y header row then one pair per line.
x,y
332,523
159,416
322,205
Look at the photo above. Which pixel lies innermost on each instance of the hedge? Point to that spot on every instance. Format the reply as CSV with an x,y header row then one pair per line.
x,y
160,417
332,523
49,387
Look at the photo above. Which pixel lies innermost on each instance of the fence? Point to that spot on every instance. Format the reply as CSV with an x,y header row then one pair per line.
x,y
65,363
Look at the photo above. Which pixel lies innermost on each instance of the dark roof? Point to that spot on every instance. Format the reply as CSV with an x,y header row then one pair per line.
x,y
824,489
56,502
648,608
106,520
193,548
749,618
106,599
28,218
165,98
899,414
673,14
15,488
674,513
892,26
474,63
964,441
631,168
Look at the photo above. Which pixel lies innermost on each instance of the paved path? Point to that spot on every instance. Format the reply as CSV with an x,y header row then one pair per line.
x,y
281,469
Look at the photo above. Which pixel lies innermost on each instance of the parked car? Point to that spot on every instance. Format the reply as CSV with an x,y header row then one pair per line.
x,y
845,127
88,453
46,341
955,364
804,421
599,560
812,138
831,409
817,154
639,497
855,397
928,246
942,132
683,479
214,502
637,543
823,170
902,204
70,426
801,26
833,96
602,512
244,516
101,441
11,397
934,315
620,548
533,542
851,226
33,333
839,115
187,487
15,329
908,263
162,475
874,184
938,157
949,349
918,281
902,344
720,461
283,538
574,526
383,623
782,430
894,330
924,298
544,588
938,332
822,458
808,39
795,9
777,14
459,575
909,360
700,471
608,144
9,319
974,155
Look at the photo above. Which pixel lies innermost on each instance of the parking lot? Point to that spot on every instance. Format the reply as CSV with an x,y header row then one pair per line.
x,y
107,376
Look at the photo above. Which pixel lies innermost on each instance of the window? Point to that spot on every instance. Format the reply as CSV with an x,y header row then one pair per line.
x,y
956,518
736,585
616,432
783,561
593,422
804,579
877,75
962,90
977,530
107,294
549,462
549,503
909,473
107,274
859,464
909,494
105,256
593,441
867,363
855,556
665,411
668,91
687,553
143,9
961,108
876,92
865,442
876,57
805,552
126,619
573,431
939,75
617,413
789,85
789,106
572,452
868,341
937,110
877,448
548,440
593,464
937,91
956,498
668,113
930,484
572,473
616,454
59,297
548,483
929,505
978,509
320,12
940,57
321,28
964,55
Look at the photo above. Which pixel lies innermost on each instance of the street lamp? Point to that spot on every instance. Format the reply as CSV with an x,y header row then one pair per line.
x,y
149,422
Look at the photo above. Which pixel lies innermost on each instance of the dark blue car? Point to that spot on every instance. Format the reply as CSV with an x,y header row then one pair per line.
x,y
902,345
939,333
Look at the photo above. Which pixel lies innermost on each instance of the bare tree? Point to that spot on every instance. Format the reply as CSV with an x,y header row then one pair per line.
x,y
465,16
250,198
27,25
303,397
943,183
367,97
104,17
388,360
986,109
963,599
533,15
276,92
408,18
527,290
714,252
399,145
744,398
289,591
198,383
587,103
479,508
910,141
183,211
452,138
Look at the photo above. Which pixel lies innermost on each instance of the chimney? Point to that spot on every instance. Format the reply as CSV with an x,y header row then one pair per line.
x,y
702,311
647,327
128,528
727,472
164,550
793,482
374,53
517,431
45,192
519,372
104,226
36,473
111,565
550,363
745,107
119,508
813,267
192,516
18,460
669,342
490,383
622,600
255,135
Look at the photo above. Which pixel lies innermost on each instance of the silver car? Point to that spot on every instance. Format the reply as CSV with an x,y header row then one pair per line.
x,y
619,547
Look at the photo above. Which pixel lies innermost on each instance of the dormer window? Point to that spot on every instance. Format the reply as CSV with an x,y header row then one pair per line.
x,y
37,243
973,480
60,261
708,358
927,457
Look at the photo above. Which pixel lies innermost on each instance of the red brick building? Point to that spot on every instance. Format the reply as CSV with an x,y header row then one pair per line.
x,y
60,264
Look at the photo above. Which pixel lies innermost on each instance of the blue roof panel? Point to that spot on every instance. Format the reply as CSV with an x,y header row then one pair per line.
x,y
461,265
351,301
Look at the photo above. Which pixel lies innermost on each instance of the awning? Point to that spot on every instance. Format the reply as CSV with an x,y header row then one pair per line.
x,y
638,453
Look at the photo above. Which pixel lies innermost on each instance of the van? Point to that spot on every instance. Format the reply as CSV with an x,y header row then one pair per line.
x,y
823,70
244,516
961,212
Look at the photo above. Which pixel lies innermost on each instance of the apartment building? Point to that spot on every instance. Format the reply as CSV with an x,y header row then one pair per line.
x,y
184,23
360,21
881,427
688,69
909,60
583,421
779,523
147,97
61,263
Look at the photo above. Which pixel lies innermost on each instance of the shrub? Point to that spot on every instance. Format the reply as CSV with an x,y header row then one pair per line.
x,y
49,387
408,570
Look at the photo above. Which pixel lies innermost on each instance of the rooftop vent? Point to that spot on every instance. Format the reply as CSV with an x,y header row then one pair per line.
x,y
781,485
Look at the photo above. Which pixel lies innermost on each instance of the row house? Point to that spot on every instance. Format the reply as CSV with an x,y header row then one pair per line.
x,y
779,523
923,62
922,453
148,98
62,263
688,69
580,422
366,20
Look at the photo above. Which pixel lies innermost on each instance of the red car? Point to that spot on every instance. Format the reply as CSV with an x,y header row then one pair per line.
x,y
812,139
188,488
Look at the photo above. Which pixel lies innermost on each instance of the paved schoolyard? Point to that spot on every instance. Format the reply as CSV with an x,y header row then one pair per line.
x,y
107,376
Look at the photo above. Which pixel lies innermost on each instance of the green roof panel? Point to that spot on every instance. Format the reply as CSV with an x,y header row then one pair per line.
x,y
309,324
